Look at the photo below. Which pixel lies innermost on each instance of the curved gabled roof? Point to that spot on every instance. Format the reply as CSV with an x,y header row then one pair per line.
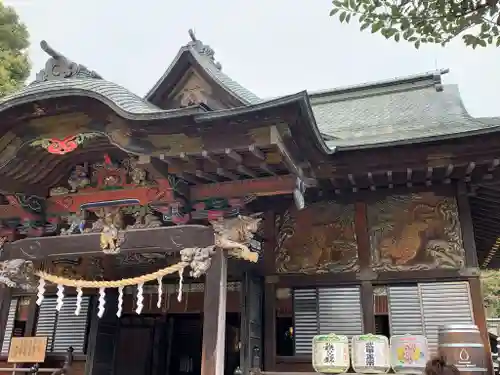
x,y
203,55
122,101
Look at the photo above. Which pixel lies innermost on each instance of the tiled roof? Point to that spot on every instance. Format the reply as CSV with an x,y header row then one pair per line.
x,y
124,101
63,77
204,56
391,112
225,81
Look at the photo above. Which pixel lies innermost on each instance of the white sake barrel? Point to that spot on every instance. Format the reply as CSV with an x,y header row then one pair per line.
x,y
370,354
330,353
409,353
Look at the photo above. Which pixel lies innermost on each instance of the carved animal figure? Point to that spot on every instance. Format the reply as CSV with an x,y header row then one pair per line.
x,y
404,248
145,220
235,235
76,221
199,259
405,244
137,174
78,178
112,222
17,273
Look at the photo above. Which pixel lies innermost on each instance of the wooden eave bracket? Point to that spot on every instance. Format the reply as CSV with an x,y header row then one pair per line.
x,y
296,166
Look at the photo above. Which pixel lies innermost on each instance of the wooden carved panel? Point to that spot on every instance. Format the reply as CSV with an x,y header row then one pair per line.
x,y
415,232
318,239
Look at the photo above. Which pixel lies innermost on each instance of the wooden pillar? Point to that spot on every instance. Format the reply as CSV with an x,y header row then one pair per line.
x,y
269,268
365,271
367,306
214,316
466,226
480,316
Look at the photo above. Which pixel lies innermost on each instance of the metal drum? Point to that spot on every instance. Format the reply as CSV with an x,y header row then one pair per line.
x,y
461,345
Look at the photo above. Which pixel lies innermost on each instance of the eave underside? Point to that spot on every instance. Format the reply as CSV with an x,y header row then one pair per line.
x,y
199,147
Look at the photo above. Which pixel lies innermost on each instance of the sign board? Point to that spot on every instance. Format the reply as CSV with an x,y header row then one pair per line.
x,y
27,350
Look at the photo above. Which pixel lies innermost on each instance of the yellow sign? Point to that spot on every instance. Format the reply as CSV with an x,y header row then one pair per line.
x,y
27,350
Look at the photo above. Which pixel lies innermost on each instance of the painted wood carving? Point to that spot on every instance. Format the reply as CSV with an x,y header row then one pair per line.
x,y
415,232
318,239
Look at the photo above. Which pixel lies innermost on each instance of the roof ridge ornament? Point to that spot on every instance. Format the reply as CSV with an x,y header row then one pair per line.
x,y
436,79
60,67
203,49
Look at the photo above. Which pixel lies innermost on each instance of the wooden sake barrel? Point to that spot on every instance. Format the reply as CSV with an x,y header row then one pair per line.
x,y
462,346
330,354
409,353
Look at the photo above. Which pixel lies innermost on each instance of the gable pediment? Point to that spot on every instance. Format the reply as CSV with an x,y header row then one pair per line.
x,y
191,90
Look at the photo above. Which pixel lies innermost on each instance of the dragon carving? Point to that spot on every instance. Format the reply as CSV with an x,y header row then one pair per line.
x,y
235,234
17,273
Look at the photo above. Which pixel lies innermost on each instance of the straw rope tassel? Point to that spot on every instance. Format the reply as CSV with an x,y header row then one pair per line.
x,y
178,267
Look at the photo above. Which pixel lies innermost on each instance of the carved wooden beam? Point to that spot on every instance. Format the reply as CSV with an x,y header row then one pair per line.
x,y
163,239
159,171
278,185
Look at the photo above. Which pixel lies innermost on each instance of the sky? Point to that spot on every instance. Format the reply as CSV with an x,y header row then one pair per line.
x,y
272,47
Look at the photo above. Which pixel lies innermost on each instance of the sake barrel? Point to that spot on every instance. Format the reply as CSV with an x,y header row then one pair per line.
x,y
370,354
462,346
409,353
330,353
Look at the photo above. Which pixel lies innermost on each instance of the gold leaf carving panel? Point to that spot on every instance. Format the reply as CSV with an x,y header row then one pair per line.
x,y
415,232
319,239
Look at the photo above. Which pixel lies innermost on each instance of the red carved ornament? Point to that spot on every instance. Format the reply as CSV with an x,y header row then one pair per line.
x,y
62,146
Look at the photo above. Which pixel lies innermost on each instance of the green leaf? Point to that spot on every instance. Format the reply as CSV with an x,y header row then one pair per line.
x,y
408,33
395,12
485,27
337,3
397,36
417,44
405,24
377,26
342,16
366,24
497,44
348,18
334,11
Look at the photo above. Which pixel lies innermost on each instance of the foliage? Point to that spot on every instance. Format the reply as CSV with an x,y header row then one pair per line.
x,y
426,21
491,292
14,40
